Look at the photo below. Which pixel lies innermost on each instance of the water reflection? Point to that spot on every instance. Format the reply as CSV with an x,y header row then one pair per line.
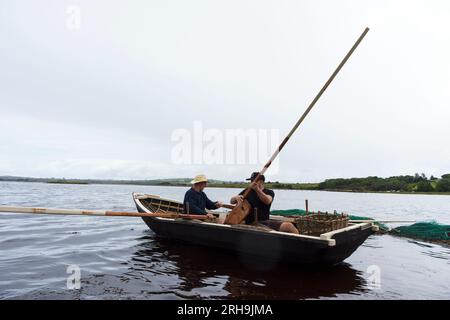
x,y
205,272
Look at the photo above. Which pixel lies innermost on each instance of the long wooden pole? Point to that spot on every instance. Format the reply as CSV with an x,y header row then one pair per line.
x,y
59,211
311,105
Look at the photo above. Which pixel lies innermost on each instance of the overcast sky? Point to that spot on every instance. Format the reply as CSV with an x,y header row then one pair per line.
x,y
104,100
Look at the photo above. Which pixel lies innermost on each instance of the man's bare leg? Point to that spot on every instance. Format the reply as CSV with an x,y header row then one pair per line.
x,y
288,227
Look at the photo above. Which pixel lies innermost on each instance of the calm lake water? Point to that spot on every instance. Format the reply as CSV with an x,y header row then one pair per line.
x,y
120,258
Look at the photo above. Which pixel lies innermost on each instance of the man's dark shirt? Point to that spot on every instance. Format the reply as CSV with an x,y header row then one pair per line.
x,y
196,202
262,208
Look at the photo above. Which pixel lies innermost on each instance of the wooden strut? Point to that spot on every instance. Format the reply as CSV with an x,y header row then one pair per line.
x,y
58,211
238,214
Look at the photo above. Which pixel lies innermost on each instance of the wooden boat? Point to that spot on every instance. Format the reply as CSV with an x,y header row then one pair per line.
x,y
252,241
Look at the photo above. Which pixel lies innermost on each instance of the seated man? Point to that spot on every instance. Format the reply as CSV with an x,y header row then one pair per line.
x,y
261,199
196,201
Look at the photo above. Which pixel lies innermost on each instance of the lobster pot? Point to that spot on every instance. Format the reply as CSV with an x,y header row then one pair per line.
x,y
317,223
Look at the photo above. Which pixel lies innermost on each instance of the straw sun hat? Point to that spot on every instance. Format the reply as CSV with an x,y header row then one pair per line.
x,y
199,178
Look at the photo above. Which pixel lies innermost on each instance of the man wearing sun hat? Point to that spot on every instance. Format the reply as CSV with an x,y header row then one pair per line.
x,y
196,201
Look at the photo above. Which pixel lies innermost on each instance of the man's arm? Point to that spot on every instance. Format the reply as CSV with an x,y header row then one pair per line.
x,y
212,205
265,198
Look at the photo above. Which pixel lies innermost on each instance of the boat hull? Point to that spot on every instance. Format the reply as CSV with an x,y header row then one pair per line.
x,y
274,246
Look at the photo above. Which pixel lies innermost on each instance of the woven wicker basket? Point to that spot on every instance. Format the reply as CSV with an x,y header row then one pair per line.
x,y
317,223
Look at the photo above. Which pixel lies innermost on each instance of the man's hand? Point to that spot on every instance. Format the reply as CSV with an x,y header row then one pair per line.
x,y
210,216
256,187
219,204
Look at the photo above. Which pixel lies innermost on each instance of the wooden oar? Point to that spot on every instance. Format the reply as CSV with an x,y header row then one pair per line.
x,y
59,211
240,212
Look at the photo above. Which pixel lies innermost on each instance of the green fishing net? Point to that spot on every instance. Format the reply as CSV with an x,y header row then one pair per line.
x,y
290,212
430,230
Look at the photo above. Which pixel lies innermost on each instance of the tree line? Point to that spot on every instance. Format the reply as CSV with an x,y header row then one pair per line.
x,y
407,183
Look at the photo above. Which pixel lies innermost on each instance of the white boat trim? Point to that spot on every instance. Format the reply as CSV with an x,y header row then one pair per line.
x,y
362,226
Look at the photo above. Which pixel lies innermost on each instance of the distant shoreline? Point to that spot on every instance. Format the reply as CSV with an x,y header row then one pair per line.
x,y
391,192
66,182
184,182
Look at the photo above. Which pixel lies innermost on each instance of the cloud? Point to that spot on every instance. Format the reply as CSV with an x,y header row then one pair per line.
x,y
104,100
